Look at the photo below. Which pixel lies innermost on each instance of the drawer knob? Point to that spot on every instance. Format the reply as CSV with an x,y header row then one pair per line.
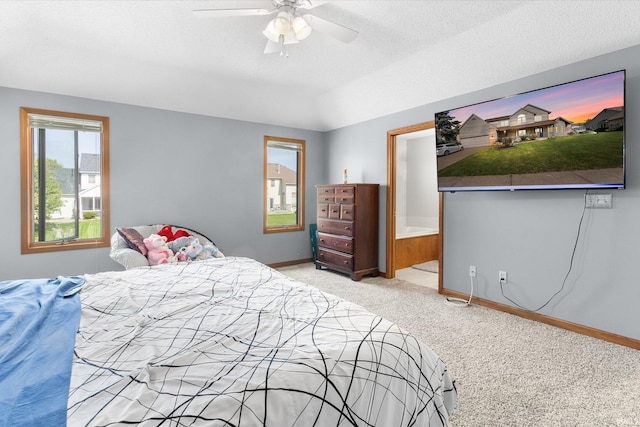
x,y
346,228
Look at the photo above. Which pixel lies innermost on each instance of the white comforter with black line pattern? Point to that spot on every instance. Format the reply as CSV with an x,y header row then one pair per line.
x,y
232,342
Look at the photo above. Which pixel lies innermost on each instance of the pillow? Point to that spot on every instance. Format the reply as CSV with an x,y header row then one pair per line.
x,y
133,239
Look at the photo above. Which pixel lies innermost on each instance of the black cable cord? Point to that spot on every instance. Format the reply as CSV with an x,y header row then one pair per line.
x,y
573,254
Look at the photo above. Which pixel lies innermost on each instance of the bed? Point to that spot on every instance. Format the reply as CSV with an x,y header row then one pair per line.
x,y
232,342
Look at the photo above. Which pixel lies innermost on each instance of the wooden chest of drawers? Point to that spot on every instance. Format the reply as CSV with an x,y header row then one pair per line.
x,y
348,229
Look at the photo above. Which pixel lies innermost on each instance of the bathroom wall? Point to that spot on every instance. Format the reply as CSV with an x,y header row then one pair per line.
x,y
417,200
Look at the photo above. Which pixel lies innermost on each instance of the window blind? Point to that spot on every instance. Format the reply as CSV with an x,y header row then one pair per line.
x,y
294,146
39,121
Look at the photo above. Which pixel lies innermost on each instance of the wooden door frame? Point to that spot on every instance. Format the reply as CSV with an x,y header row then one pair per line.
x,y
391,200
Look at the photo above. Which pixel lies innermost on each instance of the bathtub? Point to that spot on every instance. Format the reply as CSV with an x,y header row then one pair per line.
x,y
416,243
414,226
414,231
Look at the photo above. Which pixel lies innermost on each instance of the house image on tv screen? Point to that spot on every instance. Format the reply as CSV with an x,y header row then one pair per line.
x,y
529,122
607,119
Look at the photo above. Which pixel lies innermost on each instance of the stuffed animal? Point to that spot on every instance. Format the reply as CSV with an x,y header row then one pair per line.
x,y
181,255
195,250
167,232
213,250
179,243
157,250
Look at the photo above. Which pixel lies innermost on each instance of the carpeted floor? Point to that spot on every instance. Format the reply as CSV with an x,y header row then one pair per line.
x,y
509,371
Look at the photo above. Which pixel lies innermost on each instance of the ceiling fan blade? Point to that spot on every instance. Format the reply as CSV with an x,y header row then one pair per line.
x,y
271,47
311,4
215,13
337,31
246,8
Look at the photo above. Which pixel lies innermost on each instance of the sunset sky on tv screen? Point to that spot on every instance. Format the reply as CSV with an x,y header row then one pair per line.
x,y
577,101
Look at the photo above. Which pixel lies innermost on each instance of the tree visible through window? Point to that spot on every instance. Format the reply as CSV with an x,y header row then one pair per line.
x,y
283,184
65,184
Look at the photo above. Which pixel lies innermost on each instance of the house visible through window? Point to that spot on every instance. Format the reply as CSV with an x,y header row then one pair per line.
x,y
284,184
65,183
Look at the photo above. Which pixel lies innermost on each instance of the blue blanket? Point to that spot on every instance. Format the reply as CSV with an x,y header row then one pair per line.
x,y
39,320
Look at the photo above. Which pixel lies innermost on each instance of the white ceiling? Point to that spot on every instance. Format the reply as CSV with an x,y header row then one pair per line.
x,y
408,53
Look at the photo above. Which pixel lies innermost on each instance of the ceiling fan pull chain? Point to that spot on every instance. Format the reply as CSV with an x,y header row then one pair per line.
x,y
283,48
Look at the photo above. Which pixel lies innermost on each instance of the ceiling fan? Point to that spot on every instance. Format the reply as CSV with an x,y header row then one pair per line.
x,y
288,26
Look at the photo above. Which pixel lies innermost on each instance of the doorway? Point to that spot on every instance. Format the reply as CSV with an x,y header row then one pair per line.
x,y
407,249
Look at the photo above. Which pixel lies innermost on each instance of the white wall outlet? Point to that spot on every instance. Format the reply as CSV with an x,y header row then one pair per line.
x,y
598,201
472,271
502,277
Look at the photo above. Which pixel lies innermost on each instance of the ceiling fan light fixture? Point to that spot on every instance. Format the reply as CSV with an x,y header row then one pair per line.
x,y
271,33
300,28
286,27
282,22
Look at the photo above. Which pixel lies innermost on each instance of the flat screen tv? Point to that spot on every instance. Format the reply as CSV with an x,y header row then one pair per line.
x,y
566,136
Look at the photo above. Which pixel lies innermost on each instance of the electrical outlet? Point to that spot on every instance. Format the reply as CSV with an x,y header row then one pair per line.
x,y
598,201
472,271
502,277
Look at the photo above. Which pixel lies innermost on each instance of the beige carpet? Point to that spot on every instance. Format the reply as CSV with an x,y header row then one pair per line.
x,y
509,371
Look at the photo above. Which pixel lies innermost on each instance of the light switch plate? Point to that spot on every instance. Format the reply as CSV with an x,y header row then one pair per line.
x,y
599,201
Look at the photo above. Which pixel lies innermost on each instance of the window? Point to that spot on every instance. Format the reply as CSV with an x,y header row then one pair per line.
x,y
65,180
283,184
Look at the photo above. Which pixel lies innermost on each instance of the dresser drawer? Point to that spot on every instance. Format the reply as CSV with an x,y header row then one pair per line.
x,y
342,228
338,259
334,211
344,198
326,194
323,210
344,194
326,198
347,212
326,189
344,190
342,244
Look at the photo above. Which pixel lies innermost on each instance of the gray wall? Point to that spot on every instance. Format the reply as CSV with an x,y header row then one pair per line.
x,y
531,234
166,167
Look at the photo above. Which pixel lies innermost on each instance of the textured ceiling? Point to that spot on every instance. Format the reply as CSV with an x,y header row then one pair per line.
x,y
408,53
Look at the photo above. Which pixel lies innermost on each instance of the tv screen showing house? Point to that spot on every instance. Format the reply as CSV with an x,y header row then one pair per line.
x,y
565,136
